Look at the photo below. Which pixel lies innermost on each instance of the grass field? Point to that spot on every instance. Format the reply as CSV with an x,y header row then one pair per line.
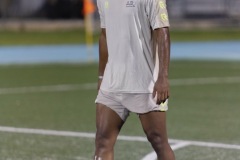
x,y
204,105
200,110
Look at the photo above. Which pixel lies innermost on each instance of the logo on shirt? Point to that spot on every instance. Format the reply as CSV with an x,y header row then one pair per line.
x,y
164,17
106,4
163,106
162,5
130,4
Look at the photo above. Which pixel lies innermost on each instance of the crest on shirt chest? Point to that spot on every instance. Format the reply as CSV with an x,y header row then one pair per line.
x,y
130,3
129,7
127,4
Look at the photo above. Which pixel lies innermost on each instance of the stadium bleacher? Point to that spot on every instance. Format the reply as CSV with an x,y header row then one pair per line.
x,y
204,8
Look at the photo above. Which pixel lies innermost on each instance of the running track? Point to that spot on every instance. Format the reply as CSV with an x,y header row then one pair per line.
x,y
226,50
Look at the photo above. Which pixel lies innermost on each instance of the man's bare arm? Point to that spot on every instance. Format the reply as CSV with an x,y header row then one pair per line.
x,y
103,55
161,87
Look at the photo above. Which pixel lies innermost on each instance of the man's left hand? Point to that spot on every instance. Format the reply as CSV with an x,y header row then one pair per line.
x,y
161,90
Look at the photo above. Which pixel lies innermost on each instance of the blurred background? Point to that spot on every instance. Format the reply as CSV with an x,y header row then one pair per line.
x,y
47,9
183,13
48,75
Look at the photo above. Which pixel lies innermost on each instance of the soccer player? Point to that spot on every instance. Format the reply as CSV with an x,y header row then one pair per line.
x,y
134,55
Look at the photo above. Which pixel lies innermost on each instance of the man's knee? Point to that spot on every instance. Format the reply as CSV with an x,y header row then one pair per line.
x,y
104,142
156,139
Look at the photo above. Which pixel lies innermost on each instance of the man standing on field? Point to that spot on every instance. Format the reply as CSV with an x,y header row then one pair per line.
x,y
134,55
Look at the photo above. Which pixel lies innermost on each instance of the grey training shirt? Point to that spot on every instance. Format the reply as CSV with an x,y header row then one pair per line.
x,y
132,66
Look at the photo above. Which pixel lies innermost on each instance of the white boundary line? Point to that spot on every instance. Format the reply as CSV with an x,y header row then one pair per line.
x,y
124,138
153,155
89,86
46,132
201,81
50,88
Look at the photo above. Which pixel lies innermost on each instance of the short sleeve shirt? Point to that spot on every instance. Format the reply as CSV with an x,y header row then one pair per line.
x,y
132,65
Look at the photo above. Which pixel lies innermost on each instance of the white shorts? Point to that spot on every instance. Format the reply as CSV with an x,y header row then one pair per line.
x,y
123,103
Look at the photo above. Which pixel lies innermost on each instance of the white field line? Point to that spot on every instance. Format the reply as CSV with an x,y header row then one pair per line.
x,y
89,86
124,138
81,158
50,88
153,155
180,145
201,81
46,132
150,156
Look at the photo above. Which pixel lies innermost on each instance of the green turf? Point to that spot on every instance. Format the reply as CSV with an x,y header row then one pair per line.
x,y
207,112
36,147
47,74
43,37
205,35
201,153
78,36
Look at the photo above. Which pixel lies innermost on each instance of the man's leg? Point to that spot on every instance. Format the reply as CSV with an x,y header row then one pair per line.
x,y
108,127
154,126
